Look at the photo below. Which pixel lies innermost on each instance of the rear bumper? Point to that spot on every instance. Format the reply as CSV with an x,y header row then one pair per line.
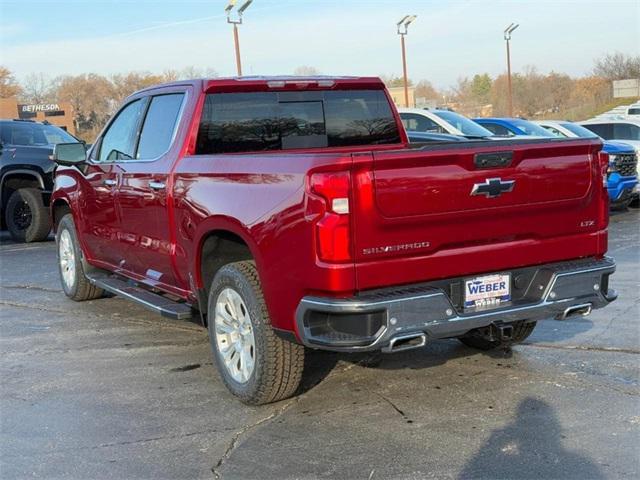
x,y
377,320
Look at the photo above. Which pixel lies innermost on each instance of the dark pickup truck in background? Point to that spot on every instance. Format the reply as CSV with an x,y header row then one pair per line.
x,y
292,212
26,176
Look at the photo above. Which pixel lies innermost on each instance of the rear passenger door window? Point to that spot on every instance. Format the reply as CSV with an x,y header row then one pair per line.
x,y
159,126
119,141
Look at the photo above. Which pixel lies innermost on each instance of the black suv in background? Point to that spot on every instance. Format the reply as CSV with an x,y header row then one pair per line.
x,y
26,176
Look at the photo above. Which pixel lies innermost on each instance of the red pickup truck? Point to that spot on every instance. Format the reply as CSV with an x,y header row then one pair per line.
x,y
292,213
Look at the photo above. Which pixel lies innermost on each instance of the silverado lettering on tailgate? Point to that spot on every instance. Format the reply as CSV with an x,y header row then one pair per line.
x,y
395,248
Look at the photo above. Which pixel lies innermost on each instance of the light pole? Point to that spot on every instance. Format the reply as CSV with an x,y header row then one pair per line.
x,y
507,36
236,22
402,31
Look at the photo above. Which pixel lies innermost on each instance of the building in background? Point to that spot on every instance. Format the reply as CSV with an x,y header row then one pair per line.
x,y
626,88
59,114
397,95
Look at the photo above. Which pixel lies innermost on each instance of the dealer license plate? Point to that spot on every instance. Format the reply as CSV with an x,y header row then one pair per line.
x,y
487,291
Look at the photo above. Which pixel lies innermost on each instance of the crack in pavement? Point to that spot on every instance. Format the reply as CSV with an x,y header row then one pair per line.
x,y
393,405
31,287
159,322
31,307
582,347
164,437
4,249
92,348
247,428
131,442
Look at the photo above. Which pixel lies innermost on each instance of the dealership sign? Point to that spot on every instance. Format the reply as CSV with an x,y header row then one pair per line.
x,y
39,107
30,111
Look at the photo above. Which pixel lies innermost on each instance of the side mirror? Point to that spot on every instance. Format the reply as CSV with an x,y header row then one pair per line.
x,y
70,154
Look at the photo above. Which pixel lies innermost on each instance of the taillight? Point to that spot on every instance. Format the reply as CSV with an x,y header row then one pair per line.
x,y
603,216
605,162
333,235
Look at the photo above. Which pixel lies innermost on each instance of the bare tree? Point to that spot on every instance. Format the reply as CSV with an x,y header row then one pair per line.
x,y
426,90
125,85
92,98
37,88
188,73
306,71
617,66
393,81
8,85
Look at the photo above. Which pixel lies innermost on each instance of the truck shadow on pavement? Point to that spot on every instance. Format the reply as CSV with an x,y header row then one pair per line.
x,y
318,365
530,447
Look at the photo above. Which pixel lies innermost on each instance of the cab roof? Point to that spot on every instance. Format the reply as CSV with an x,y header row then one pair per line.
x,y
277,82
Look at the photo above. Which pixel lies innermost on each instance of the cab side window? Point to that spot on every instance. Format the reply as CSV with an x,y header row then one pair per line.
x,y
626,131
159,125
605,130
555,131
418,123
119,141
497,129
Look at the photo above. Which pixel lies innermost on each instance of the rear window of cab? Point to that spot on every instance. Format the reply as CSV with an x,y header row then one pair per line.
x,y
263,121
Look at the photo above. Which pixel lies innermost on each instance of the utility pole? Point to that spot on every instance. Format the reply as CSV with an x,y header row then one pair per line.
x,y
235,22
402,31
507,36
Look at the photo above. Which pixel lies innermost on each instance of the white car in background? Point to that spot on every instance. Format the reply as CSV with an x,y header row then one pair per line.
x,y
564,128
623,160
623,111
441,121
626,130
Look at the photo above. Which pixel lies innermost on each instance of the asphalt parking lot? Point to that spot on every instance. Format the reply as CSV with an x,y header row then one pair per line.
x,y
104,389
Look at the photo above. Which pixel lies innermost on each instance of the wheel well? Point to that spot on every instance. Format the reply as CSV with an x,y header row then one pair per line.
x,y
15,181
220,248
59,209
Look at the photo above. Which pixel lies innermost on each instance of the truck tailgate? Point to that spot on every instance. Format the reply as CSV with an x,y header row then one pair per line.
x,y
447,211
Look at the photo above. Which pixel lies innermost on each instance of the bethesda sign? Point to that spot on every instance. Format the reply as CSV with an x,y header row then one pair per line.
x,y
40,107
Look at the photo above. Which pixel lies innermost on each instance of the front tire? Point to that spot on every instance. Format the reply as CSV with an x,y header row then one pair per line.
x,y
75,284
521,330
254,363
27,217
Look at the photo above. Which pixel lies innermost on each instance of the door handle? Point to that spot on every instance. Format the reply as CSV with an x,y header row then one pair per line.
x,y
157,185
109,183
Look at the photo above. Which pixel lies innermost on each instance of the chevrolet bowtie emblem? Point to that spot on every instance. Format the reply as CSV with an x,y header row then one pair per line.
x,y
493,187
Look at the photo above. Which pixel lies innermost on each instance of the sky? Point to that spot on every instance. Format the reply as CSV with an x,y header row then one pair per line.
x,y
448,40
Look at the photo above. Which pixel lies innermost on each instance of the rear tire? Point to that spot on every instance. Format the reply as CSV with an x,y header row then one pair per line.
x,y
27,217
75,284
521,330
254,363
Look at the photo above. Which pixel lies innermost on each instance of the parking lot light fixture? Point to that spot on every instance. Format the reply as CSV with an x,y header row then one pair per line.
x,y
507,36
235,22
402,27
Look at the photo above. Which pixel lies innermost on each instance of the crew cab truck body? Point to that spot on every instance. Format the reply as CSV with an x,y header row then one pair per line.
x,y
292,213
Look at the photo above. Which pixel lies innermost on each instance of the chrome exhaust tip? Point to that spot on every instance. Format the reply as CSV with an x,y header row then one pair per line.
x,y
584,310
406,342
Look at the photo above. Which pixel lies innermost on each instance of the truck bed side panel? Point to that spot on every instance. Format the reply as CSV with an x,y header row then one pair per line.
x,y
262,199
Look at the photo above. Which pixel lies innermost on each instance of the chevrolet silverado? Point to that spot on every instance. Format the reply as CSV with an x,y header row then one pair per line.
x,y
292,213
